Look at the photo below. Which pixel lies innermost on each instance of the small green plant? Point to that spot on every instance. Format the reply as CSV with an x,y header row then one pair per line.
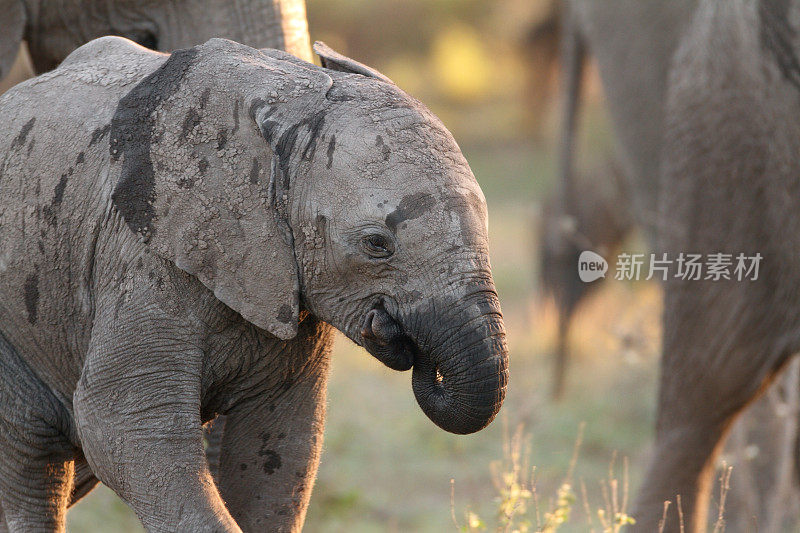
x,y
513,484
565,499
613,515
517,502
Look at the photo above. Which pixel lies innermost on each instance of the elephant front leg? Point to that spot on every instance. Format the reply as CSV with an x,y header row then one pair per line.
x,y
137,409
270,453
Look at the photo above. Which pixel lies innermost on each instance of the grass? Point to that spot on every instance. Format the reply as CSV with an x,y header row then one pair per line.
x,y
518,505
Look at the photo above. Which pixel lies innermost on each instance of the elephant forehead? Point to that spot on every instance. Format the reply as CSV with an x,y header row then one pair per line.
x,y
393,132
404,167
380,159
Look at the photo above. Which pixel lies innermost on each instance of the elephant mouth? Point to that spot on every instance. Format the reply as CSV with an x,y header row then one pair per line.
x,y
383,337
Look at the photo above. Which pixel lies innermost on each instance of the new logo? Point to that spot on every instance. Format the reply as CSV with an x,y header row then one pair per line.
x,y
591,266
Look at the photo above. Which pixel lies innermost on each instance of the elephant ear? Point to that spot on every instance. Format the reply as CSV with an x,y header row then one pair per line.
x,y
333,60
195,171
13,15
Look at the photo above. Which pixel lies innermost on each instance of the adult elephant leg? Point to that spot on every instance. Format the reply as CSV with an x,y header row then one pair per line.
x,y
561,250
137,409
722,347
272,444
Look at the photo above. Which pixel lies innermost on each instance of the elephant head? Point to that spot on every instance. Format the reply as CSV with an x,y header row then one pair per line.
x,y
54,29
288,188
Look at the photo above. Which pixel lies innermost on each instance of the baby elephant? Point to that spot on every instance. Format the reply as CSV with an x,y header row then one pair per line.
x,y
180,233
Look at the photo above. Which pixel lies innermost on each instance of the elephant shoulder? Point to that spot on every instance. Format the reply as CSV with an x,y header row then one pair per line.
x,y
110,50
109,61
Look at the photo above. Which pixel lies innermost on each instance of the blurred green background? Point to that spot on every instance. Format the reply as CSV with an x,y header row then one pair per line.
x,y
487,69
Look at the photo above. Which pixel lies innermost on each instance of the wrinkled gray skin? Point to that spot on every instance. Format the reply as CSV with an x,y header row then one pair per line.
x,y
178,237
54,29
729,184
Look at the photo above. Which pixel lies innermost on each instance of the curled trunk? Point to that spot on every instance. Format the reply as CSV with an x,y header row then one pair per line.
x,y
460,381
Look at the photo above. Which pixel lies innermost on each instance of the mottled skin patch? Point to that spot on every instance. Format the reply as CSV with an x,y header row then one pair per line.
x,y
58,196
411,207
31,295
204,97
268,127
272,461
187,183
331,150
286,143
222,139
383,148
191,121
98,134
235,116
464,203
315,124
131,135
49,211
19,140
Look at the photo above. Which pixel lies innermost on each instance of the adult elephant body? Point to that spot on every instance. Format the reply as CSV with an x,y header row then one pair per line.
x,y
633,42
178,236
729,184
54,29
702,96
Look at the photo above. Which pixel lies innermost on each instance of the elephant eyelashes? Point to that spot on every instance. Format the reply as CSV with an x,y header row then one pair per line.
x,y
378,246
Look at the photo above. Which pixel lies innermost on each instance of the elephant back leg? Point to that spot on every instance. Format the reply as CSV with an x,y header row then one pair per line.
x,y
36,459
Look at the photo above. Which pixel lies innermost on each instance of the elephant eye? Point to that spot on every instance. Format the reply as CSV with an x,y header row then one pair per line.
x,y
377,246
